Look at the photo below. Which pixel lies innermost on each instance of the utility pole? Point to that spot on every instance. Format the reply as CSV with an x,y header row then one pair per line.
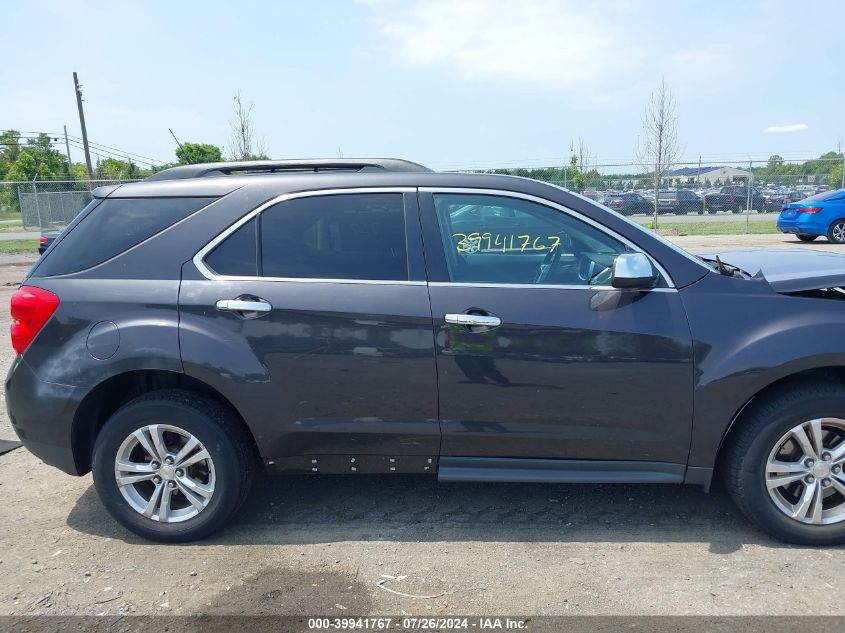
x,y
67,149
842,184
748,204
82,125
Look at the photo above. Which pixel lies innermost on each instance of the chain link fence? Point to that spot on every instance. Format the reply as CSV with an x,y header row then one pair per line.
x,y
767,184
754,187
46,204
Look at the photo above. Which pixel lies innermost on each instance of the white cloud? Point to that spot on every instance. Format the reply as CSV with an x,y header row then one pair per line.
x,y
785,129
556,43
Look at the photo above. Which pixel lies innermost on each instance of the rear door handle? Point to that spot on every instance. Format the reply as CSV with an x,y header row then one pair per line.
x,y
241,305
473,319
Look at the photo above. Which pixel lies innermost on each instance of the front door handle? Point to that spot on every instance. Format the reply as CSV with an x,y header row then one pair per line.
x,y
474,319
242,305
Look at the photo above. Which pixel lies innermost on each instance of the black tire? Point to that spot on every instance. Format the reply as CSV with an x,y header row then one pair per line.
x,y
806,238
222,435
748,448
832,231
738,208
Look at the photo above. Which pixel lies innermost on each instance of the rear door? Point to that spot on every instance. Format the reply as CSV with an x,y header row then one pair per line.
x,y
313,313
537,356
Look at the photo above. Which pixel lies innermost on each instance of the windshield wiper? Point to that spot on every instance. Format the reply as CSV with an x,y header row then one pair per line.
x,y
728,270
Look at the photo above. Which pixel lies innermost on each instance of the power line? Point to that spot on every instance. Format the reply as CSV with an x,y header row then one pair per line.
x,y
100,153
148,160
121,151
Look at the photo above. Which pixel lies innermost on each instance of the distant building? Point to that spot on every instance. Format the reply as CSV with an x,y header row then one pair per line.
x,y
701,175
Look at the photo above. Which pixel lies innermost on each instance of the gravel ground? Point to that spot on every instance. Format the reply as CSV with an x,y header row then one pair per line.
x,y
340,546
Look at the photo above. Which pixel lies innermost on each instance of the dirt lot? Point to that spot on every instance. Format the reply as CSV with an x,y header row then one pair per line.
x,y
346,545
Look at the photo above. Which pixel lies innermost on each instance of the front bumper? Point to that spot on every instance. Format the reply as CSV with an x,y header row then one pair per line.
x,y
42,415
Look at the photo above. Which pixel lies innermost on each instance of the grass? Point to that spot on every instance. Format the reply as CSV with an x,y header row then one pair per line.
x,y
755,227
18,246
14,228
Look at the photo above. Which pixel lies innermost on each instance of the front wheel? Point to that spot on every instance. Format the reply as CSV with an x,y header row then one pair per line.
x,y
172,465
784,465
836,232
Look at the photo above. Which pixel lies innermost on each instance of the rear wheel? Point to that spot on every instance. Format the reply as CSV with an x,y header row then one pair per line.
x,y
836,232
172,465
784,465
806,238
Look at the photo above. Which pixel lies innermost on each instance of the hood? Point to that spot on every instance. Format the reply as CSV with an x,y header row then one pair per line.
x,y
789,270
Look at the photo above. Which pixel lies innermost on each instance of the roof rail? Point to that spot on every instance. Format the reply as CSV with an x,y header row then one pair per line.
x,y
253,167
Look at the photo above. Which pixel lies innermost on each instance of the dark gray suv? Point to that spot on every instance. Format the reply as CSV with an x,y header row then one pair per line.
x,y
371,316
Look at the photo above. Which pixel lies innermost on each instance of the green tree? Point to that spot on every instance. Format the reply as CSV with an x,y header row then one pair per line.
x,y
575,175
193,153
53,160
9,150
114,169
775,161
834,179
27,167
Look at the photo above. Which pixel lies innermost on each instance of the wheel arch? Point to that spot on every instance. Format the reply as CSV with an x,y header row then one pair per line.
x,y
838,218
830,373
112,393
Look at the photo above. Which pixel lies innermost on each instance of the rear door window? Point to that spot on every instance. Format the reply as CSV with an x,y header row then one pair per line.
x,y
343,236
112,227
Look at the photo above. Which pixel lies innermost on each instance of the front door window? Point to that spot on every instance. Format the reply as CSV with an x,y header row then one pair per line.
x,y
498,239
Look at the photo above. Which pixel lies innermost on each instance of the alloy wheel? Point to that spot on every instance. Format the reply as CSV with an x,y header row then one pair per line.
x,y
804,472
164,473
838,232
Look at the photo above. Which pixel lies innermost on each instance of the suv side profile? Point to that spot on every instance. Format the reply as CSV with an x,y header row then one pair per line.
x,y
372,316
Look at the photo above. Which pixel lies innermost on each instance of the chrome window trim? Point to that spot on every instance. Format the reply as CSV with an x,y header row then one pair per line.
x,y
470,284
199,258
549,203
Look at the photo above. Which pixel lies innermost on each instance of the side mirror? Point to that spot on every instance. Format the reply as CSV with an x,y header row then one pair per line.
x,y
633,270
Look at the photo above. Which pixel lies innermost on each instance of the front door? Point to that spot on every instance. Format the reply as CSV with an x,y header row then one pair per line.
x,y
321,322
537,355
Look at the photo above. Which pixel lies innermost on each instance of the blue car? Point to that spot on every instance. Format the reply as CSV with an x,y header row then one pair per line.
x,y
821,214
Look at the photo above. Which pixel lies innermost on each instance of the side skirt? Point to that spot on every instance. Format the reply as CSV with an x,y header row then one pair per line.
x,y
557,470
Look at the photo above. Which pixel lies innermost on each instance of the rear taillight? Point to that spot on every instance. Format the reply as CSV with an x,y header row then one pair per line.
x,y
31,309
42,239
809,209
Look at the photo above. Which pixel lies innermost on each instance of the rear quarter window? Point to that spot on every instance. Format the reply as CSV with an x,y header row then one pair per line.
x,y
112,227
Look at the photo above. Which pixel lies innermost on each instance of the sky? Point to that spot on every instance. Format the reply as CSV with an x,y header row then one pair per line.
x,y
452,84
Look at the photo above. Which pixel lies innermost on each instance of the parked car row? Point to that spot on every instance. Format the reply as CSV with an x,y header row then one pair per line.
x,y
727,199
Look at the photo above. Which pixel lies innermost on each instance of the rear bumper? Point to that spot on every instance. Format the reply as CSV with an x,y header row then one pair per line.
x,y
802,226
42,415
